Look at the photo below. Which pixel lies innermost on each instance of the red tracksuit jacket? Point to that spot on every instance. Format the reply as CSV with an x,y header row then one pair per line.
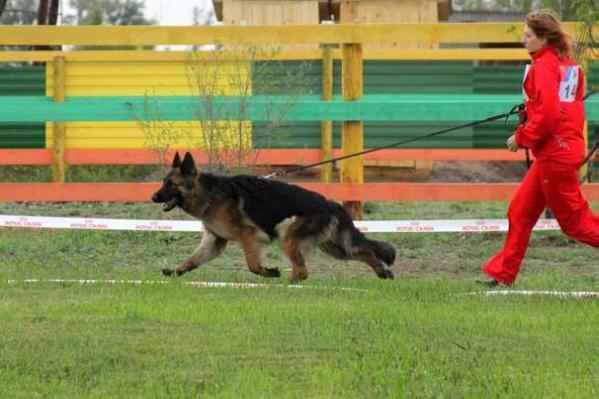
x,y
553,90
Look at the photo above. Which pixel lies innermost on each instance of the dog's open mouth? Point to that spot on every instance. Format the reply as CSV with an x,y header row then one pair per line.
x,y
170,204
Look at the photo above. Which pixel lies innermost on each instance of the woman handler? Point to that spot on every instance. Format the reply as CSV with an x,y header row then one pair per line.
x,y
553,90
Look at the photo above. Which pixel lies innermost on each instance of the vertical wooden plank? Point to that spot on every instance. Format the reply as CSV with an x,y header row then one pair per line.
x,y
584,63
304,12
326,127
58,136
585,133
348,12
352,132
388,11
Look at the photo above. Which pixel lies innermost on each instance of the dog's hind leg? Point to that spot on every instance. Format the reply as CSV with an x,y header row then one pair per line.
x,y
291,247
336,251
360,253
252,244
347,242
298,235
210,247
369,257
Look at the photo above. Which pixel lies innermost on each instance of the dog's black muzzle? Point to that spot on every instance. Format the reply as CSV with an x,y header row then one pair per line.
x,y
170,200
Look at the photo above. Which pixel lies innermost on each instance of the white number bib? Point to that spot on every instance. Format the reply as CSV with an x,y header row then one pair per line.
x,y
524,95
568,84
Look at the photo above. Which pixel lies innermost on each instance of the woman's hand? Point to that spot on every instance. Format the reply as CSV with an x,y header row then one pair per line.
x,y
512,144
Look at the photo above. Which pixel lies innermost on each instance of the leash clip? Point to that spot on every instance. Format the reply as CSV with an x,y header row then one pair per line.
x,y
271,175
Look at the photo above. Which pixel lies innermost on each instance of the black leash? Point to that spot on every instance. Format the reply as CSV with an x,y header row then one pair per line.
x,y
588,160
521,120
282,172
514,110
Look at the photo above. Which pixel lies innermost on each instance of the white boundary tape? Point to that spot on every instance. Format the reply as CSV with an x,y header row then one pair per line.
x,y
367,226
199,284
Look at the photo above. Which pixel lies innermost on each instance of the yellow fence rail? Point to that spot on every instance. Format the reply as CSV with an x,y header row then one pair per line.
x,y
431,33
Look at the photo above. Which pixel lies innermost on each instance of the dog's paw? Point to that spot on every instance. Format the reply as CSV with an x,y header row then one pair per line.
x,y
297,280
167,272
298,277
272,272
386,274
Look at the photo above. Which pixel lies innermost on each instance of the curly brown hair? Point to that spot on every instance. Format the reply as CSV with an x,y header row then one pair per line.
x,y
546,24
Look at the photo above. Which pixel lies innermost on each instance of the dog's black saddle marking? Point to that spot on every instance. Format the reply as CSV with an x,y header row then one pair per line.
x,y
269,202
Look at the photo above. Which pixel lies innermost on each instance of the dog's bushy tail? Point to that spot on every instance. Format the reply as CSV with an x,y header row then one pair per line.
x,y
385,252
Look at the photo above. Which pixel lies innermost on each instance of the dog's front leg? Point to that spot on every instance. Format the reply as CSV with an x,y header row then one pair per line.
x,y
252,244
210,247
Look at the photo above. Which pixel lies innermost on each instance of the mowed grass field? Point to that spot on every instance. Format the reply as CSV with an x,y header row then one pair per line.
x,y
344,334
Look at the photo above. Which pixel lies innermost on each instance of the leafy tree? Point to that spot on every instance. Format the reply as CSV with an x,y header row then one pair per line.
x,y
566,8
110,12
18,12
203,16
2,6
232,143
587,12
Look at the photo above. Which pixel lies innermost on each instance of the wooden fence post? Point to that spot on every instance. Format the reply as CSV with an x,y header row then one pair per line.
x,y
326,127
58,136
352,132
584,64
585,133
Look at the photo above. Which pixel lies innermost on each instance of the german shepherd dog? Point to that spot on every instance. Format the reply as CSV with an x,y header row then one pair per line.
x,y
255,211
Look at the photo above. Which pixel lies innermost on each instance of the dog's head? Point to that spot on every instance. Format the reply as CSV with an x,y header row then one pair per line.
x,y
178,185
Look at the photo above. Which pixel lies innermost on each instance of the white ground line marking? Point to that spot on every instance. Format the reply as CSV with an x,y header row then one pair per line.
x,y
200,284
223,284
560,294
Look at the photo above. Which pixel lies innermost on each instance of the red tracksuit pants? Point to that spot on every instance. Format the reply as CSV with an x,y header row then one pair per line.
x,y
546,184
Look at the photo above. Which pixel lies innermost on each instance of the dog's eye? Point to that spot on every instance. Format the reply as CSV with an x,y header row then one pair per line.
x,y
170,184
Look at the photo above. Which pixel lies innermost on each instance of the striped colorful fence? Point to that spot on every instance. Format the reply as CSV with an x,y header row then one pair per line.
x,y
100,80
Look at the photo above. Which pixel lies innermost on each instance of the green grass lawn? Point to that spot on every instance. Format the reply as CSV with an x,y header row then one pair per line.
x,y
416,336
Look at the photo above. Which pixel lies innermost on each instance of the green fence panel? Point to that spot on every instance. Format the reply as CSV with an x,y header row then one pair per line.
x,y
395,77
286,77
407,77
380,77
22,81
380,133
496,79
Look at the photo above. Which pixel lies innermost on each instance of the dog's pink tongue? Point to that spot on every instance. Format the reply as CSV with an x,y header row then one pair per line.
x,y
170,204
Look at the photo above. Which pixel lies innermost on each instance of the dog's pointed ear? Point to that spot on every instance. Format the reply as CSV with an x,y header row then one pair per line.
x,y
188,166
176,160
